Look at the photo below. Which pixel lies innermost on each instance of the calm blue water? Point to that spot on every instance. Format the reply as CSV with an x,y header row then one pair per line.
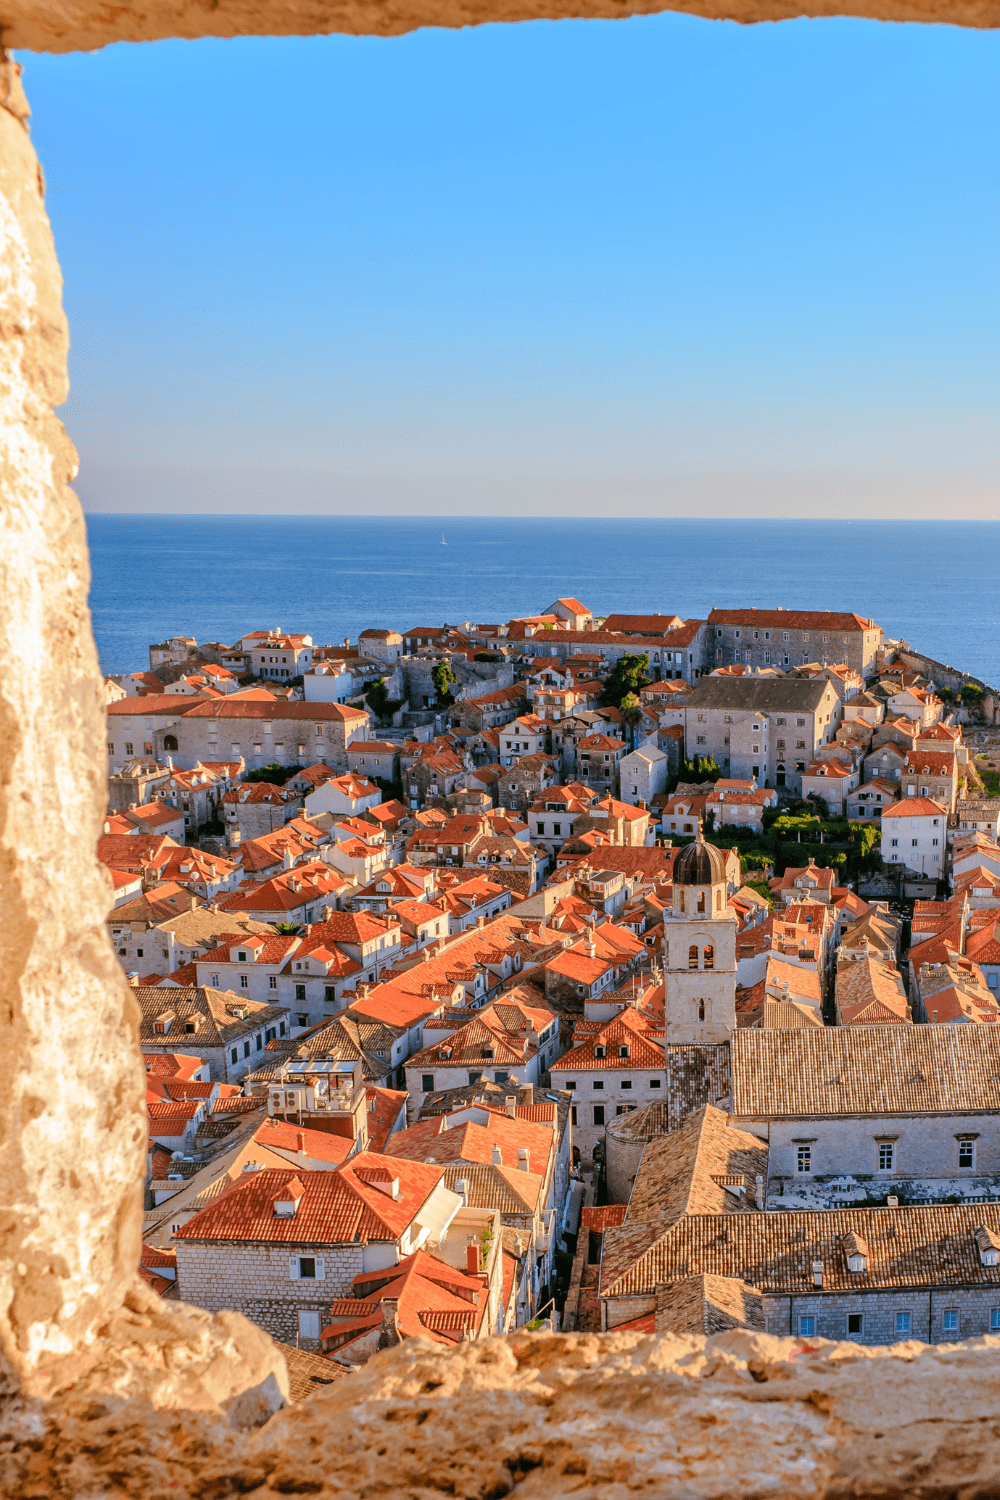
x,y
215,577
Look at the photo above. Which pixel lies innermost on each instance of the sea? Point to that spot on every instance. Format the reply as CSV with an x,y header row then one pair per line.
x,y
216,577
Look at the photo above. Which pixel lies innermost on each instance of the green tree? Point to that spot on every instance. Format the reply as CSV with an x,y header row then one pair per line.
x,y
626,677
630,709
287,929
443,679
377,698
702,768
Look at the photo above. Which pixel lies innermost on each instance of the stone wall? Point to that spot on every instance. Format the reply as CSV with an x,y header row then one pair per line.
x,y
254,1280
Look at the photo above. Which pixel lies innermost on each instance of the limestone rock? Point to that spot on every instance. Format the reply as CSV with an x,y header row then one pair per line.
x,y
599,1417
68,25
72,1128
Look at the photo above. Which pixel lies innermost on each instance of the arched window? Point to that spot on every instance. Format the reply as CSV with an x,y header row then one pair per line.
x,y
170,742
701,900
701,1010
718,900
709,957
693,956
682,898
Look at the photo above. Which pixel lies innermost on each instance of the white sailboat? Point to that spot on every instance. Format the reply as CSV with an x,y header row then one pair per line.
x,y
443,542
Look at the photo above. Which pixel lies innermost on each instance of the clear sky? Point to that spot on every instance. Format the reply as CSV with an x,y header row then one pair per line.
x,y
662,266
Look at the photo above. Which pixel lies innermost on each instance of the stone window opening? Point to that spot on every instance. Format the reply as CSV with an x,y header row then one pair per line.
x,y
91,1271
693,956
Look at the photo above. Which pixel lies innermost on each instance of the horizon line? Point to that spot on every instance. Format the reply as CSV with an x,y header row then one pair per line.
x,y
452,517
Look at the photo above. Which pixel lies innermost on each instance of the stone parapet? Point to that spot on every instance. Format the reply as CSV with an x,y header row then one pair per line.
x,y
547,1415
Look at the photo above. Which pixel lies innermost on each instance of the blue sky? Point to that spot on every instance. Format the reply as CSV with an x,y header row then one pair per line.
x,y
667,265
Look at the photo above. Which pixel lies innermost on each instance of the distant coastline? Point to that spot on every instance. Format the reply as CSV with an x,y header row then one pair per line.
x,y
216,576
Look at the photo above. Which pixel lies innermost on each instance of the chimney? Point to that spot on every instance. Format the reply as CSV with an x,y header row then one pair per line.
x,y
194,903
934,1017
523,1159
326,913
526,1094
497,1157
472,1256
133,980
760,1192
817,1270
511,1102
462,1188
892,1202
389,1335
300,1145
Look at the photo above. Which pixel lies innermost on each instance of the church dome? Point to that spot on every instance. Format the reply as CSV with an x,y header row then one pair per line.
x,y
700,864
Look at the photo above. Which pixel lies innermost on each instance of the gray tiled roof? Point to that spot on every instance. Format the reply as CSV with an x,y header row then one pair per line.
x,y
885,1070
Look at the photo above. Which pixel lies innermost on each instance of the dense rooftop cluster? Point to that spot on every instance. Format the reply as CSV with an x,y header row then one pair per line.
x,y
628,972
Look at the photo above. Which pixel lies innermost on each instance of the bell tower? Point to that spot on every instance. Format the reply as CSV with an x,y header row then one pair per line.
x,y
699,949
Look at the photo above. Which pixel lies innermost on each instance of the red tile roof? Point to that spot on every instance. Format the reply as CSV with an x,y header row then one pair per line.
x,y
351,1205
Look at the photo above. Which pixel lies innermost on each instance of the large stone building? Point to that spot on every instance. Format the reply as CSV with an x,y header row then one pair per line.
x,y
792,637
260,731
765,729
856,1114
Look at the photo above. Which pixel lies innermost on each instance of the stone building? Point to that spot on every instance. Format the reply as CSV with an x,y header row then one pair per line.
x,y
597,760
280,1246
384,645
856,1114
793,637
765,729
229,1031
642,774
261,731
136,783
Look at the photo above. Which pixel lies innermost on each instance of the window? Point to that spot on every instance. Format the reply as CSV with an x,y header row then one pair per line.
x,y
951,1320
246,1049
272,981
572,1112
885,1155
598,1114
966,1154
244,982
306,1268
855,1323
994,1319
234,1055
709,957
598,1084
475,1076
309,1325
803,1159
128,747
902,1322
427,1082
570,1085
894,843
626,1083
914,843
807,1327
655,1083
693,956
214,978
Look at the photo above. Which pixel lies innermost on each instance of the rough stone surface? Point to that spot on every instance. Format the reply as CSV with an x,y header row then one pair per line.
x,y
541,1415
72,1133
69,25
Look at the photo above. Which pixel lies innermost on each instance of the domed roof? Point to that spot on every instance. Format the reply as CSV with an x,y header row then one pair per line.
x,y
700,864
